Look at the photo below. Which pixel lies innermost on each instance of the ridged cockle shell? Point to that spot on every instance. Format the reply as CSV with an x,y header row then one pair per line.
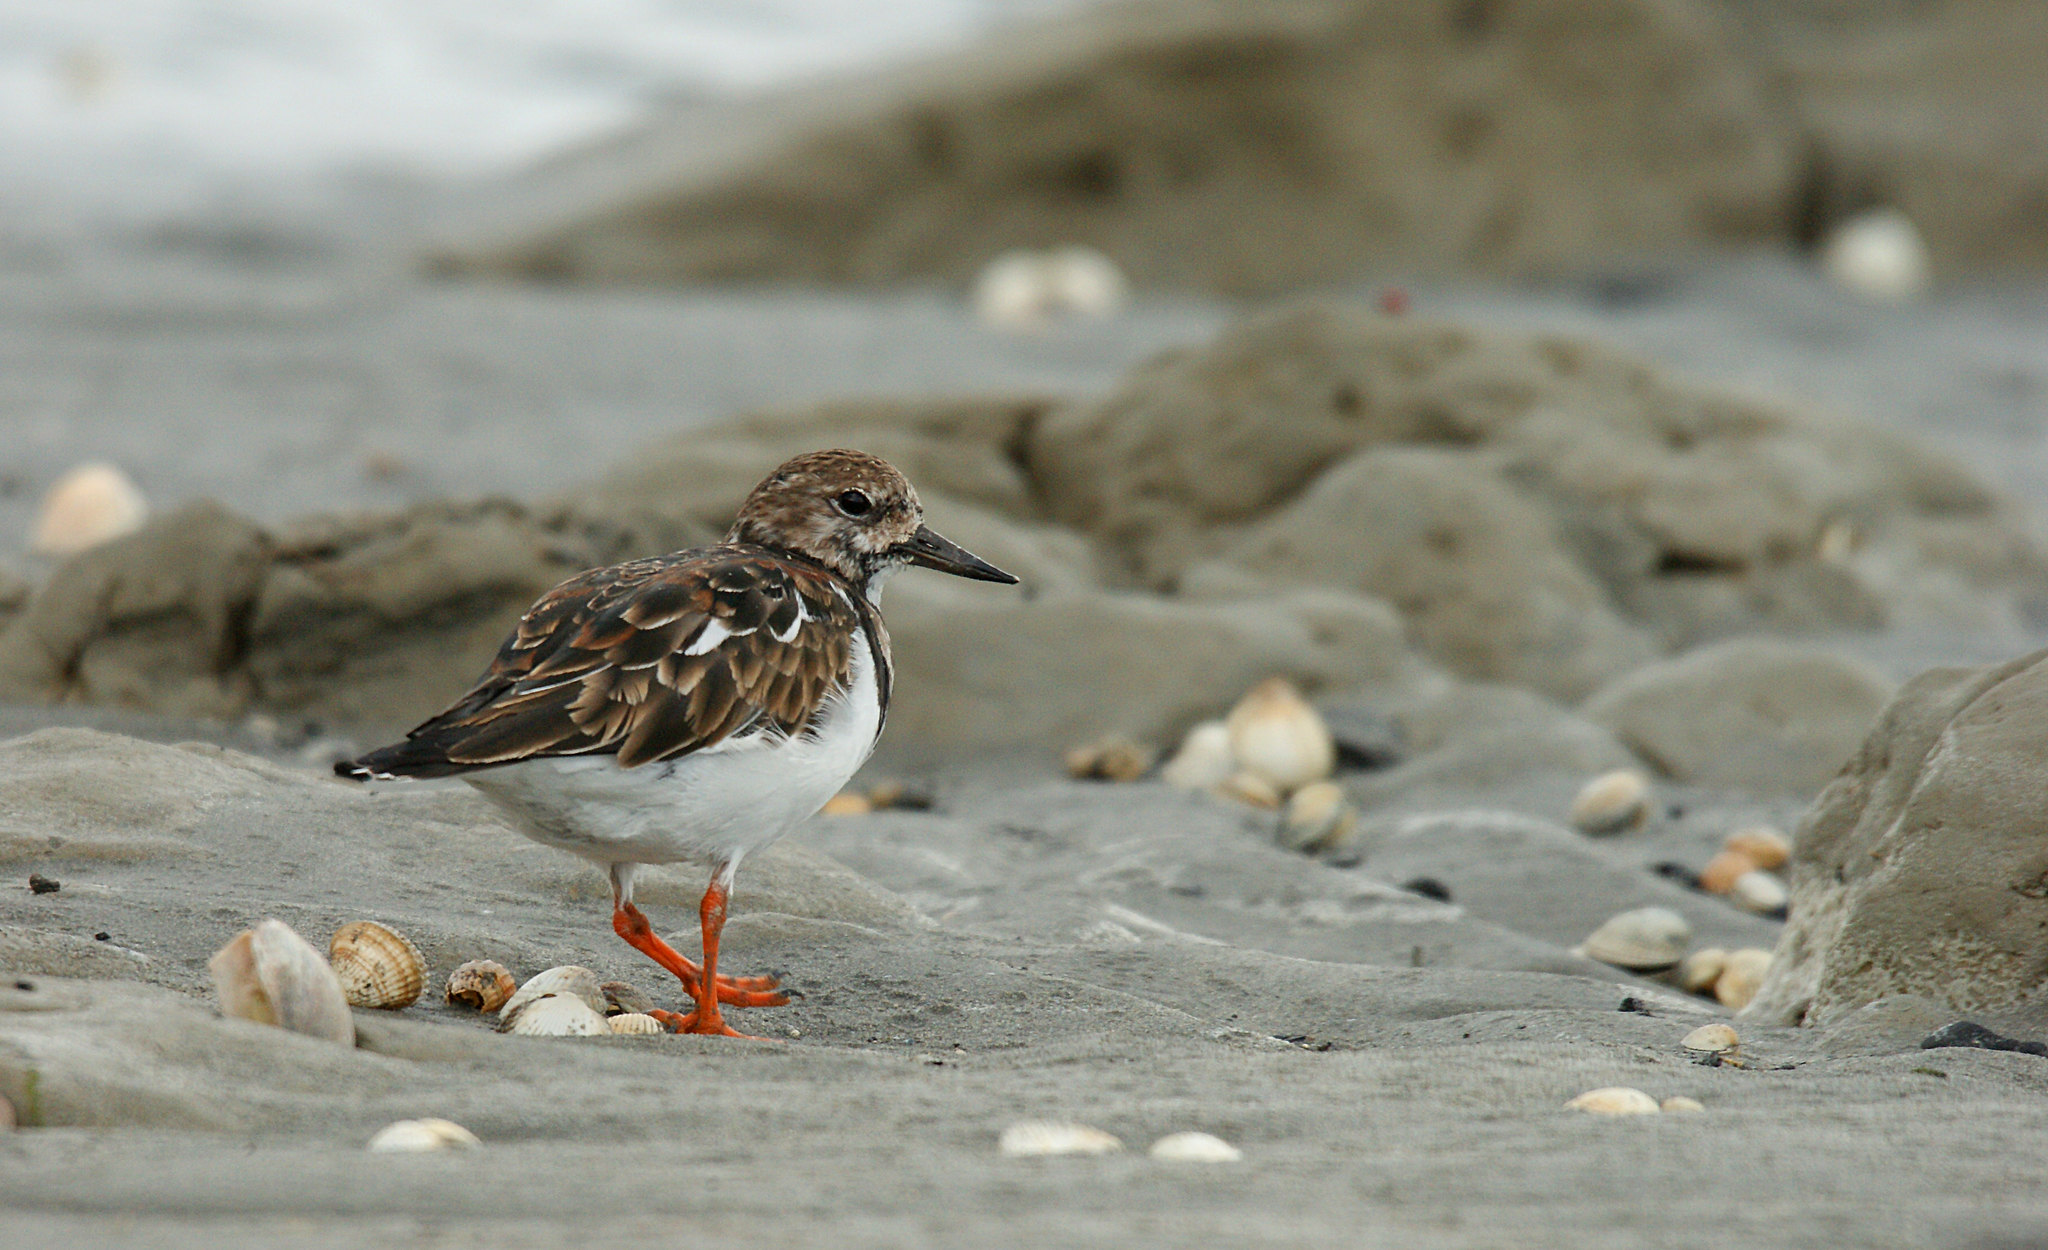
x,y
377,966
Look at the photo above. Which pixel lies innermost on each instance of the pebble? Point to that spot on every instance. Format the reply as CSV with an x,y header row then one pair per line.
x,y
1680,1102
1712,1039
1970,1033
1032,1138
40,884
419,1136
1878,255
1742,977
91,504
1614,1100
1612,803
1109,759
1194,1148
1642,940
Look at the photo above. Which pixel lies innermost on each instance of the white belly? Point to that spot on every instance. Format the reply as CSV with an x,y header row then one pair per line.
x,y
710,807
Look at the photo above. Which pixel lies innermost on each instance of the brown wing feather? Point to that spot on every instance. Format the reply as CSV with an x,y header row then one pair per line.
x,y
603,664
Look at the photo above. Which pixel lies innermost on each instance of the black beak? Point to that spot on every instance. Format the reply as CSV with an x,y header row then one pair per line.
x,y
928,550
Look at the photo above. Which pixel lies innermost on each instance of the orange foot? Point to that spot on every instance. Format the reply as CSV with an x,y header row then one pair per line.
x,y
630,923
709,1028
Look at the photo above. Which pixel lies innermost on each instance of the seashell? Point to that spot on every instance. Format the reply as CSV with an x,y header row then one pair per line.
x,y
1643,940
848,803
559,1015
1244,787
1760,891
1712,1039
567,981
1743,976
1203,761
1612,803
484,984
1027,1138
1276,735
91,504
378,967
1680,1102
1698,971
270,974
1015,292
1109,759
1614,1100
1318,816
1083,283
419,1136
624,998
1765,846
1878,255
635,1023
1722,871
1194,1148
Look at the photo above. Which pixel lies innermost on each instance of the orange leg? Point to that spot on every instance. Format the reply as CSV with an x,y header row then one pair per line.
x,y
630,923
707,1018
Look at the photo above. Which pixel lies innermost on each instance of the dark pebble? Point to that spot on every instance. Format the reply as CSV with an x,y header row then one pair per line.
x,y
40,884
1970,1033
103,936
1429,887
1679,873
1636,1005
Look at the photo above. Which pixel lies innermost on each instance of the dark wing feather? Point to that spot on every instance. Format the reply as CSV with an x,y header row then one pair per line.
x,y
647,660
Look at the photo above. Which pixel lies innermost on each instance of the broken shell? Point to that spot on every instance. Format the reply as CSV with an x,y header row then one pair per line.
x,y
1245,787
1878,255
1712,1039
1614,1100
1765,846
1643,940
622,998
1084,283
1612,802
1194,1148
1045,1137
567,981
1698,971
1203,761
270,974
559,1015
1759,891
1318,817
1680,1102
1276,735
484,984
1109,759
848,803
1744,975
91,504
1722,871
635,1023
378,967
417,1136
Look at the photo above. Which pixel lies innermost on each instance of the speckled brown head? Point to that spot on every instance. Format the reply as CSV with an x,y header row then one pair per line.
x,y
854,513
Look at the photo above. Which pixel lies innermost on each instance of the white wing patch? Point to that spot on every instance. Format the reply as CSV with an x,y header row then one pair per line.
x,y
802,615
713,633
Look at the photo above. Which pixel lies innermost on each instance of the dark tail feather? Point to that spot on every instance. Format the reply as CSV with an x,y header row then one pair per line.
x,y
411,758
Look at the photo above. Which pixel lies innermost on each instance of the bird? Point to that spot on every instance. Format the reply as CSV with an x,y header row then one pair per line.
x,y
696,706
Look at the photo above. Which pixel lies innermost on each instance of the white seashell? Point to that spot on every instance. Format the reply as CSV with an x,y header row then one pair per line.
x,y
484,984
269,974
1194,1148
377,966
1742,977
559,1015
1083,283
1028,1138
1109,759
1759,891
1015,292
1614,1100
1642,940
1878,255
634,1023
1245,787
569,980
419,1136
1612,802
1318,816
1712,1039
1762,845
1203,761
1276,735
91,504
1699,970
1680,1102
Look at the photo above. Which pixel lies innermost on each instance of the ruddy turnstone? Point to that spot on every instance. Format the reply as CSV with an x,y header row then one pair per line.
x,y
696,706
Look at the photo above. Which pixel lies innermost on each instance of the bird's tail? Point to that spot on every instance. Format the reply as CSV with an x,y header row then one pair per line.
x,y
401,760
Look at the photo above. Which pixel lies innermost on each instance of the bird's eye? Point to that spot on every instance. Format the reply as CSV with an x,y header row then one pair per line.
x,y
854,503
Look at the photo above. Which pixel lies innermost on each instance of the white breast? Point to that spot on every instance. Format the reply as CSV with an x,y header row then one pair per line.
x,y
712,806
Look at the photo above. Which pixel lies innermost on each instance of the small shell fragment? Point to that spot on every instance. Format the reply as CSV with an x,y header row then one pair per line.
x,y
1614,1100
1248,787
1712,1039
1698,971
271,975
559,1015
1724,870
1276,735
1759,891
91,504
484,984
1109,759
1318,816
566,981
634,1023
848,803
1203,761
1612,803
1744,975
1765,846
1878,255
1028,1138
378,966
1679,1102
1194,1148
1644,940
419,1136
623,998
